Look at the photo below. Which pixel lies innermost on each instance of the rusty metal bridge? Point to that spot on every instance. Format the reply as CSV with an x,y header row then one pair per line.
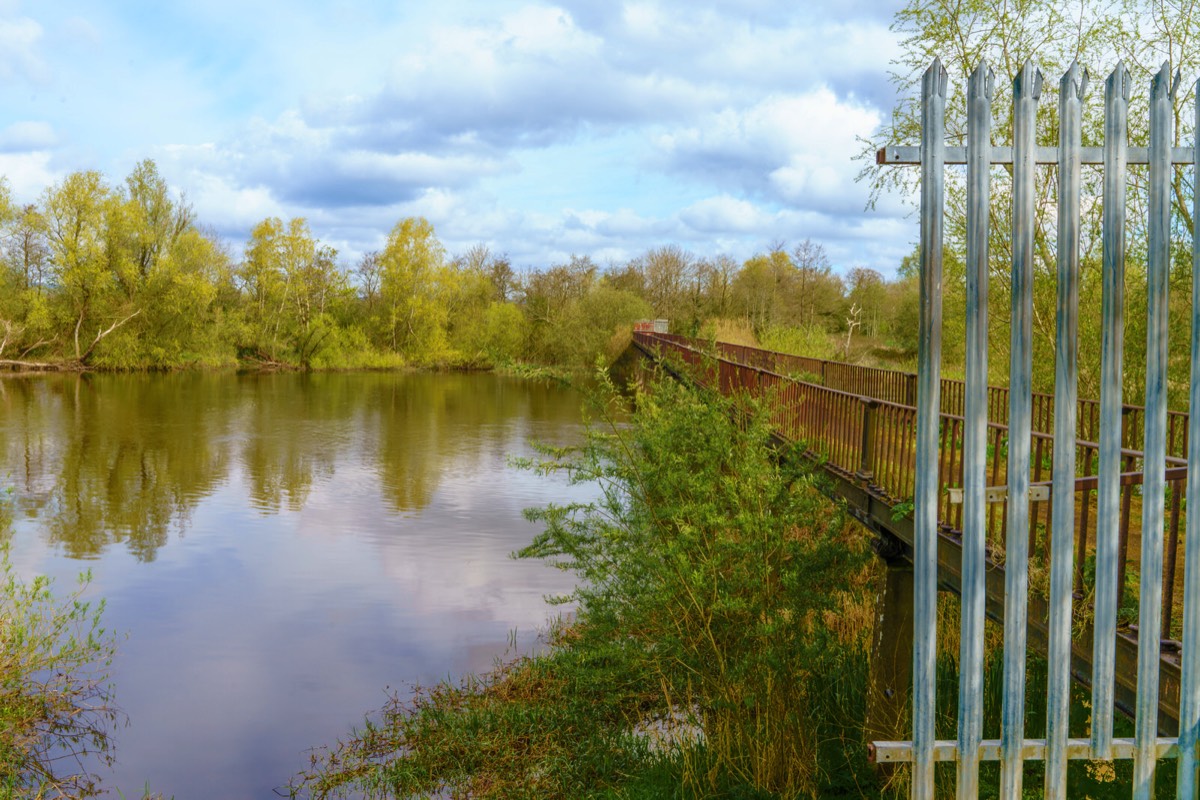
x,y
859,424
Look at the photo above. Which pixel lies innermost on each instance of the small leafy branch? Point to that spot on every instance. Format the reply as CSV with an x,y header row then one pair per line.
x,y
56,709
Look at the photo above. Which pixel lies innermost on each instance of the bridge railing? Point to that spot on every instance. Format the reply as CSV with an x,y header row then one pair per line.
x,y
897,386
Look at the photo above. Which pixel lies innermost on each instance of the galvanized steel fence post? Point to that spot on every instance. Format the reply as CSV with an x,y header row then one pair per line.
x,y
974,594
1112,417
1013,750
1027,90
1189,692
929,361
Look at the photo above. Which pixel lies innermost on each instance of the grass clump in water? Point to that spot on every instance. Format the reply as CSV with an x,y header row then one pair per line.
x,y
716,583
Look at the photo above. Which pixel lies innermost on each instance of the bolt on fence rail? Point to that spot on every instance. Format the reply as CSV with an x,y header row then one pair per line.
x,y
1013,749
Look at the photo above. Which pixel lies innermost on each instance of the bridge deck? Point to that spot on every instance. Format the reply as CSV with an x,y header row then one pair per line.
x,y
859,424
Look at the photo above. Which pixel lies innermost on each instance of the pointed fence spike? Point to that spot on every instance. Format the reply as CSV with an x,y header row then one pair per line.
x,y
925,495
1189,691
1066,347
1158,226
1026,91
974,590
1108,494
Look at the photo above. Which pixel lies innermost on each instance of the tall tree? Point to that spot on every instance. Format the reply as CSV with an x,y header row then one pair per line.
x,y
413,319
868,291
84,258
817,291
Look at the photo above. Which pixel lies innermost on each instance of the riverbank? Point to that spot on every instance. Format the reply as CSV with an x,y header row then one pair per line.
x,y
719,589
515,369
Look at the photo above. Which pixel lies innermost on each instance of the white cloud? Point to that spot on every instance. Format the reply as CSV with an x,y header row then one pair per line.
x,y
724,214
798,150
28,135
28,173
19,56
539,128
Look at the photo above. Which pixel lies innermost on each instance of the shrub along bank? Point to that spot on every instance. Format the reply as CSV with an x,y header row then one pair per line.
x,y
56,711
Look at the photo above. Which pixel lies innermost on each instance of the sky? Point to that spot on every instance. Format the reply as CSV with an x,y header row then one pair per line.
x,y
538,129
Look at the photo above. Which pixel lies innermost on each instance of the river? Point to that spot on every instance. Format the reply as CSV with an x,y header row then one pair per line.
x,y
276,550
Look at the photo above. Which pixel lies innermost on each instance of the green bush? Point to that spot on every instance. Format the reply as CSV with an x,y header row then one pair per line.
x,y
716,553
56,711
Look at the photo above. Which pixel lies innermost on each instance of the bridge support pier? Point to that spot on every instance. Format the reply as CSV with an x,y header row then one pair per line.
x,y
890,686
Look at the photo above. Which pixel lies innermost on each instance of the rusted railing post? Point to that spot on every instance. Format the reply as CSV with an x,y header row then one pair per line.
x,y
865,474
891,650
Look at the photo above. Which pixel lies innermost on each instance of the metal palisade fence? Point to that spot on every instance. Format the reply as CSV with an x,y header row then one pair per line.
x,y
1013,749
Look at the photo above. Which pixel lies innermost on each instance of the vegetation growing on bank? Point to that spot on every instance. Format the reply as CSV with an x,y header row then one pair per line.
x,y
717,585
56,705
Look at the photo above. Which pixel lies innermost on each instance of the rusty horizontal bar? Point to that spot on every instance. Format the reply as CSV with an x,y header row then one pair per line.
x,y
1034,750
902,155
1172,474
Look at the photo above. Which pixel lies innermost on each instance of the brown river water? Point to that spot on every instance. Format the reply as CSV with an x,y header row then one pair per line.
x,y
278,550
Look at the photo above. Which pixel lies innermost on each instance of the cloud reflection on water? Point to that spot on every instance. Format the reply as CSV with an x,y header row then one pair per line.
x,y
281,548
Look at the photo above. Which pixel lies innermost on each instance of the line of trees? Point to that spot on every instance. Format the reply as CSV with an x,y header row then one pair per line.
x,y
124,276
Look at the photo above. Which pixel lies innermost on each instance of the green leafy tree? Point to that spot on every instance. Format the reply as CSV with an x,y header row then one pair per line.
x,y
292,282
716,278
549,298
778,288
81,223
868,292
413,316
816,293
